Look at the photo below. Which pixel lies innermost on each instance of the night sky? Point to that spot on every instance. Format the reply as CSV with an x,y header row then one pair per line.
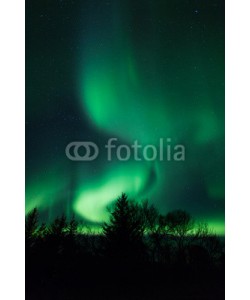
x,y
134,70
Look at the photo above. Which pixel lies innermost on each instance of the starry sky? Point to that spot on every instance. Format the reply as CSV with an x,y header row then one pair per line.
x,y
134,70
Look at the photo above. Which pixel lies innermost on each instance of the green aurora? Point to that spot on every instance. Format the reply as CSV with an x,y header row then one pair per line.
x,y
134,70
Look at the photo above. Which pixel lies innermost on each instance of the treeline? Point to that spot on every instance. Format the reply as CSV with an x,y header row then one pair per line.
x,y
137,244
134,232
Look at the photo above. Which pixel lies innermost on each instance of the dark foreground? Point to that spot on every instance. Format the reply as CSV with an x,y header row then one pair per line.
x,y
140,254
51,275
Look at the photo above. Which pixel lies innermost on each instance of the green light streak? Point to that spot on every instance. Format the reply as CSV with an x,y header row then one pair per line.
x,y
91,202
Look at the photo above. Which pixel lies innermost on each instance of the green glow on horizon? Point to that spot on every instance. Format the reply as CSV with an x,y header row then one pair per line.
x,y
217,226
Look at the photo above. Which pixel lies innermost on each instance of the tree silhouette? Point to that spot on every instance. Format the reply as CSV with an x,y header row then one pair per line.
x,y
31,224
208,240
179,223
123,235
180,226
59,226
155,230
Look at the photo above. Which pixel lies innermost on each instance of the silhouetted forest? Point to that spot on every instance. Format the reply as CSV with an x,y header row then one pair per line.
x,y
140,254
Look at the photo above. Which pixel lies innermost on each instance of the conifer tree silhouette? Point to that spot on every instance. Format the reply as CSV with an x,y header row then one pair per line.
x,y
31,223
123,235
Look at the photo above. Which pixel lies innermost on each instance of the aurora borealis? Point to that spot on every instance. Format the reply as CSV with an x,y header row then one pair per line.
x,y
134,70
